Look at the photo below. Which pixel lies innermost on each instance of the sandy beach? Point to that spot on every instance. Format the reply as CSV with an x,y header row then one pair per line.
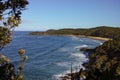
x,y
98,38
92,37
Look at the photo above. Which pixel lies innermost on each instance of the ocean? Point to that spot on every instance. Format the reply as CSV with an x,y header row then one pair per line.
x,y
49,56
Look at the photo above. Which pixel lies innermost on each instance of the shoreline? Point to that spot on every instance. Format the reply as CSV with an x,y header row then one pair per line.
x,y
91,37
81,36
99,38
81,72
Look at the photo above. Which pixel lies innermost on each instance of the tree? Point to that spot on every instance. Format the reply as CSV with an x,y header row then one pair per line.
x,y
10,17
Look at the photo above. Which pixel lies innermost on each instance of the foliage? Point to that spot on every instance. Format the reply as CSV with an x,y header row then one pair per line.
x,y
102,31
105,63
7,70
5,37
10,17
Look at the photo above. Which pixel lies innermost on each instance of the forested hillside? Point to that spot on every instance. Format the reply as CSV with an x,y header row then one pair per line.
x,y
102,31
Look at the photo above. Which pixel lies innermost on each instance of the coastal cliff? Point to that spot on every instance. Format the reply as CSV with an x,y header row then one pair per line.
x,y
104,62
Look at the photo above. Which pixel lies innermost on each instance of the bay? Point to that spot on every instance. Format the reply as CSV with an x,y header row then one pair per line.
x,y
49,56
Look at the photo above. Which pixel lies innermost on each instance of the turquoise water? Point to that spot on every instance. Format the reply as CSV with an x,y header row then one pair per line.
x,y
49,56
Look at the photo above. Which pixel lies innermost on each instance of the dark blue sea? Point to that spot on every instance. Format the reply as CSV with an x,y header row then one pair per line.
x,y
49,56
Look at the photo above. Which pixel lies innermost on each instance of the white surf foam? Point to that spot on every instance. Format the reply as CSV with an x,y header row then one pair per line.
x,y
74,38
77,65
101,43
81,40
81,46
79,55
63,64
58,76
80,58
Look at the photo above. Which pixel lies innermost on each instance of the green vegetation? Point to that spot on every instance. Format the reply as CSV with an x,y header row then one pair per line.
x,y
104,62
10,17
5,37
102,31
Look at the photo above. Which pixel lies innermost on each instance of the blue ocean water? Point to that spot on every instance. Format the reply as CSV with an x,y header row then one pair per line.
x,y
49,56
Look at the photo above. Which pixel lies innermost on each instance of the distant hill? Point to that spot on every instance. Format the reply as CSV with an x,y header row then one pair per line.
x,y
102,31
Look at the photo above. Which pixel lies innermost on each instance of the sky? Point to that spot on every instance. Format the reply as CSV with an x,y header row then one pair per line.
x,y
56,14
